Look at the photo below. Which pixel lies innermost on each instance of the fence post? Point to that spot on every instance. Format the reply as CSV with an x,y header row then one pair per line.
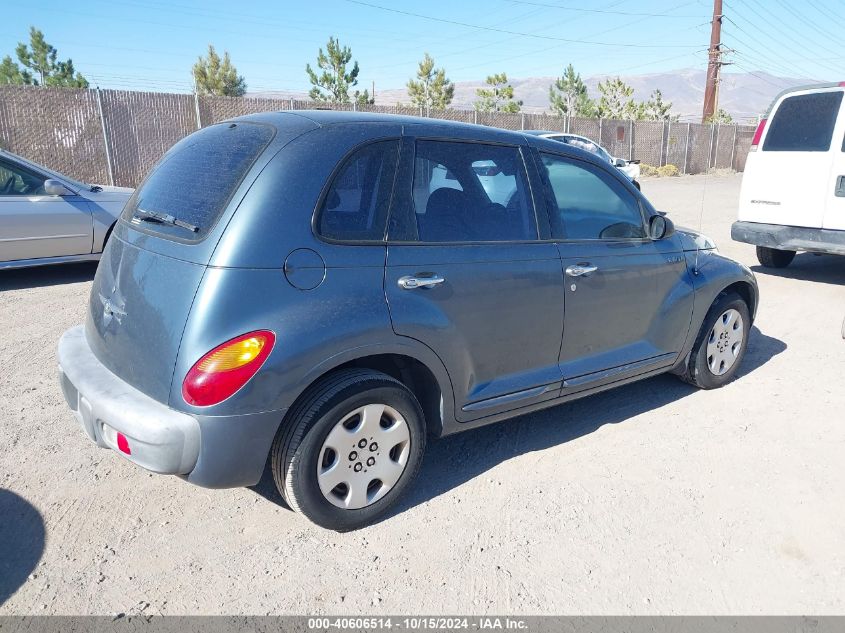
x,y
710,154
197,108
522,120
664,143
686,149
601,140
631,139
475,116
733,148
105,138
291,103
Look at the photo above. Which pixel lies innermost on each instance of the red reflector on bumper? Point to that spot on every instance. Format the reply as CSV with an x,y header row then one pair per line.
x,y
123,444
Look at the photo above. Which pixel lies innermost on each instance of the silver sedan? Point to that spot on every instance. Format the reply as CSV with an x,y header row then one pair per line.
x,y
48,218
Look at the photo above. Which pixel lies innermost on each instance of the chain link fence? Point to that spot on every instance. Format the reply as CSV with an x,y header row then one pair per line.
x,y
115,136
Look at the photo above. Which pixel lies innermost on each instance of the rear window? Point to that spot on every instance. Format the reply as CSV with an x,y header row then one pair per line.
x,y
195,180
804,123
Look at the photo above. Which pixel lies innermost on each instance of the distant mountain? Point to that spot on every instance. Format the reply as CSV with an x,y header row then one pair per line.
x,y
743,95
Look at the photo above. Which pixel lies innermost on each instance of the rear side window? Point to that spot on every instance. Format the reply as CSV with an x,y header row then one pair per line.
x,y
471,192
804,123
356,204
195,180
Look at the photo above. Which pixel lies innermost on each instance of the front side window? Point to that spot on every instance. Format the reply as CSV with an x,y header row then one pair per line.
x,y
16,181
356,205
471,192
804,123
588,203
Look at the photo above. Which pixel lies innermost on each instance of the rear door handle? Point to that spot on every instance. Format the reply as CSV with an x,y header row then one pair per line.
x,y
581,269
839,192
409,282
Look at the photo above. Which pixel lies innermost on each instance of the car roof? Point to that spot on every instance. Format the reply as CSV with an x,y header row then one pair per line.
x,y
325,118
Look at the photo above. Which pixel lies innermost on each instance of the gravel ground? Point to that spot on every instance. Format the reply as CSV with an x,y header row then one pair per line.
x,y
653,498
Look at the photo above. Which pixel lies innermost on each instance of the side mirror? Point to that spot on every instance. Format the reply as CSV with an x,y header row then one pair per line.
x,y
621,162
660,227
55,188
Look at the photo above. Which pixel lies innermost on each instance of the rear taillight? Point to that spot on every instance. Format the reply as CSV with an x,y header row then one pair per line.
x,y
227,368
758,134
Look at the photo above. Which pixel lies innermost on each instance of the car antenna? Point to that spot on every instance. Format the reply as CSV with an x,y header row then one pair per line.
x,y
701,216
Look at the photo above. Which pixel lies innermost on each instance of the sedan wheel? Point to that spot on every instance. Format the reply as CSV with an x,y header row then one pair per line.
x,y
725,342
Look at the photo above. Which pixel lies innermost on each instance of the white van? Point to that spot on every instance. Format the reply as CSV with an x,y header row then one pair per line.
x,y
793,189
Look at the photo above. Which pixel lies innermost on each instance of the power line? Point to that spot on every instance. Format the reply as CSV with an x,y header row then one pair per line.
x,y
800,45
603,11
508,32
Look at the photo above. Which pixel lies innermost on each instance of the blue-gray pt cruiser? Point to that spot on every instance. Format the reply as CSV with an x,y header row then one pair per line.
x,y
324,290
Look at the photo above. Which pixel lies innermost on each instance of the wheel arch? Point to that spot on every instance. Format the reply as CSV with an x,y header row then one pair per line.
x,y
417,367
747,291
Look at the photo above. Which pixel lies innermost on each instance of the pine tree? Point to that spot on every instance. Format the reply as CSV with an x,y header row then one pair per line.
x,y
364,98
10,73
656,109
40,58
498,97
216,76
568,95
431,90
720,116
617,102
333,84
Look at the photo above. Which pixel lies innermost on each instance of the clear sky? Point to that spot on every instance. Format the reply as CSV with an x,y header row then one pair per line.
x,y
151,44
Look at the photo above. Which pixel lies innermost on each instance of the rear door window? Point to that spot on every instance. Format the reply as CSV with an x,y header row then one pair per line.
x,y
356,204
471,192
197,178
804,123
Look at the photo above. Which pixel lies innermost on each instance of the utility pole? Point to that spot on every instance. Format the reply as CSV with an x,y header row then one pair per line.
x,y
714,63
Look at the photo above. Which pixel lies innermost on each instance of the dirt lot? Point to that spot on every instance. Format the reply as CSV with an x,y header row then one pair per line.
x,y
654,498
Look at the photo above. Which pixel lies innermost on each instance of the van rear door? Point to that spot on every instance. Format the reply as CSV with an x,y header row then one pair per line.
x,y
834,215
787,180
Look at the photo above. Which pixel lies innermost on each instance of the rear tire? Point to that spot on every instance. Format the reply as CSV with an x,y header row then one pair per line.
x,y
774,258
349,449
721,343
637,185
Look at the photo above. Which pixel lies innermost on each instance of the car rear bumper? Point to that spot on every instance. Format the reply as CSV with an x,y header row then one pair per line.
x,y
789,238
210,451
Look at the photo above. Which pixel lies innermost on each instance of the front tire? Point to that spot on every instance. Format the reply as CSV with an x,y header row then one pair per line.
x,y
721,343
349,449
637,185
774,258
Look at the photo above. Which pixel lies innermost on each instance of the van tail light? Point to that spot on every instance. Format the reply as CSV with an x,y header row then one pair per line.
x,y
758,134
227,368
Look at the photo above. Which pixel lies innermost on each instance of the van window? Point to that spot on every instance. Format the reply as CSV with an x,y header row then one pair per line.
x,y
589,203
198,176
804,123
355,207
471,192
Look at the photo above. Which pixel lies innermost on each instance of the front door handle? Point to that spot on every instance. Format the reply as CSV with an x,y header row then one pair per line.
x,y
839,192
409,282
581,269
